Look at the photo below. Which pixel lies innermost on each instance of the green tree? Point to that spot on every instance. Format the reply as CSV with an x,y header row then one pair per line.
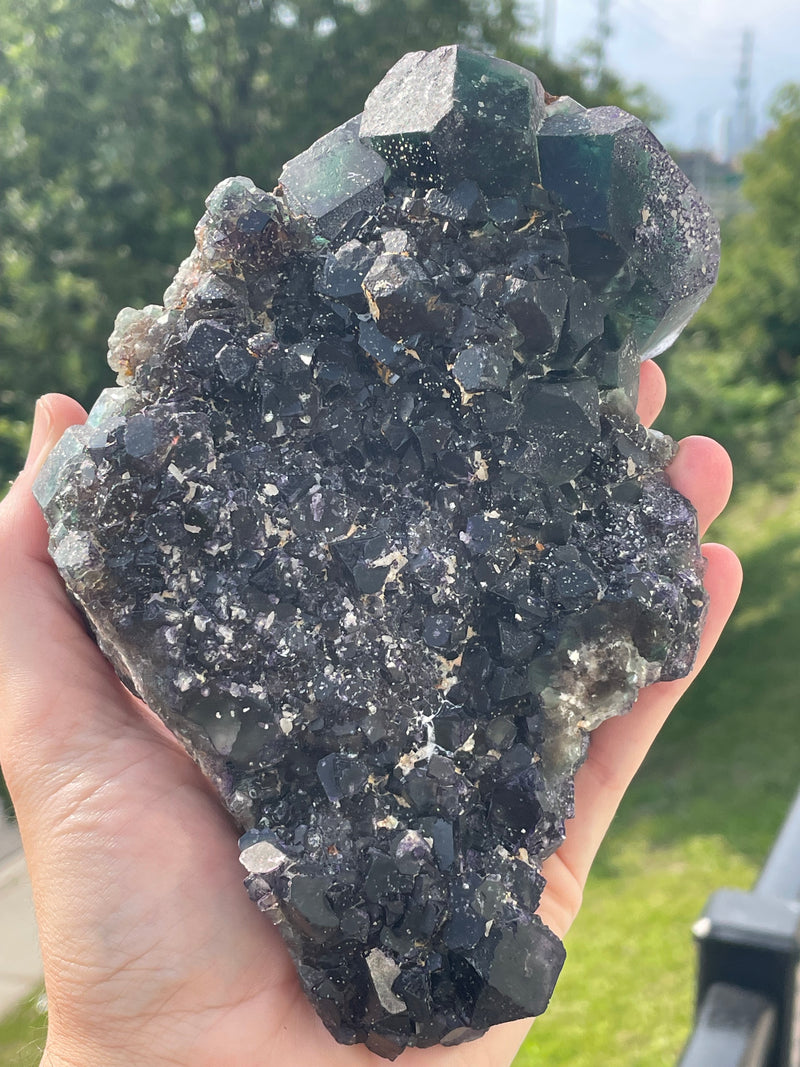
x,y
118,116
757,297
736,372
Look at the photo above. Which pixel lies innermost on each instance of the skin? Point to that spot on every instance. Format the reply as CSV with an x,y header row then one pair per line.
x,y
152,951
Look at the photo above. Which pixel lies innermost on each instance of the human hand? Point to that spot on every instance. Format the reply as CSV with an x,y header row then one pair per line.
x,y
153,952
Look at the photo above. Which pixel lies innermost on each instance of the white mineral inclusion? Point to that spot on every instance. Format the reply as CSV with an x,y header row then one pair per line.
x,y
383,971
261,858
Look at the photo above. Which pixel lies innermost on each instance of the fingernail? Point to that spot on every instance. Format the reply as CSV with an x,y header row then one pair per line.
x,y
42,425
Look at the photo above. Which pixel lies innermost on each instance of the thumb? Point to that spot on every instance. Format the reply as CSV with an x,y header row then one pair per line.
x,y
52,415
23,534
43,436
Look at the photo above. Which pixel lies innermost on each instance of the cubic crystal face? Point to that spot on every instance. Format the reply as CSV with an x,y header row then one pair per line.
x,y
371,523
453,114
630,207
334,179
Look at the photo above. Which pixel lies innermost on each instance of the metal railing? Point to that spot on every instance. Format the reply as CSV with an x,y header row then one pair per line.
x,y
748,980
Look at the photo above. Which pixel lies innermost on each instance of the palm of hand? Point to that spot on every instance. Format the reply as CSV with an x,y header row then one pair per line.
x,y
134,854
153,952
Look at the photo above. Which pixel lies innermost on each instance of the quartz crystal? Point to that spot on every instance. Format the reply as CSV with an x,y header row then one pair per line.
x,y
371,523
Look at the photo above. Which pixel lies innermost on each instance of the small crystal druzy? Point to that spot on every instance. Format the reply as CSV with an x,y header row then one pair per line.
x,y
372,525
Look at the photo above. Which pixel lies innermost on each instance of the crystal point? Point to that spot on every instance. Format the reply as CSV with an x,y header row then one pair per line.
x,y
636,218
454,114
334,179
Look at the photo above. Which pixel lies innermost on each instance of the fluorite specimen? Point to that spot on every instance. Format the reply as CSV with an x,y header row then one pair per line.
x,y
371,523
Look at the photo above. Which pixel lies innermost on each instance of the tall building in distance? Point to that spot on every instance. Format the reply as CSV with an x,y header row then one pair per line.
x,y
742,122
722,138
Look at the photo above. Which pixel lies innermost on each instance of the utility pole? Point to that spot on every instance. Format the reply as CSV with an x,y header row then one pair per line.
x,y
742,128
602,35
702,139
549,27
529,20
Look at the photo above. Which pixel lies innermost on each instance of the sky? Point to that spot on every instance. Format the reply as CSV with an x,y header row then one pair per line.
x,y
688,52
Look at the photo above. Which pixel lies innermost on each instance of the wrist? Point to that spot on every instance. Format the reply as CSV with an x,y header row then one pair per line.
x,y
57,1054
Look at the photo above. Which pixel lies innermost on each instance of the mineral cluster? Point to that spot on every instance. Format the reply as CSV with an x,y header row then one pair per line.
x,y
371,523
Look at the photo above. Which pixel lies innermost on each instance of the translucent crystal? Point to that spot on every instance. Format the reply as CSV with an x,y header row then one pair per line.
x,y
440,117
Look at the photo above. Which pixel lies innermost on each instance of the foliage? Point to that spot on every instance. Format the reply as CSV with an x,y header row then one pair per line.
x,y
702,813
722,393
117,117
762,279
24,1031
736,371
682,831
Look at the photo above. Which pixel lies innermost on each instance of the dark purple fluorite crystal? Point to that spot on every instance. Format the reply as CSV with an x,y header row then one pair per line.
x,y
372,525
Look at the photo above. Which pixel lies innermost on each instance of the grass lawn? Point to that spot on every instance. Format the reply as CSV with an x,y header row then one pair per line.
x,y
23,1033
701,814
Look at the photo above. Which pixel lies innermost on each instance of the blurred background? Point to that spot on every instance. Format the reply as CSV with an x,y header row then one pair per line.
x,y
116,119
